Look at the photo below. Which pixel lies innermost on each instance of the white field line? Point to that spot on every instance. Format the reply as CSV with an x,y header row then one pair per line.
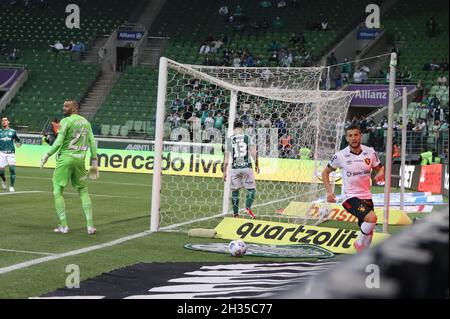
x,y
26,252
20,193
71,253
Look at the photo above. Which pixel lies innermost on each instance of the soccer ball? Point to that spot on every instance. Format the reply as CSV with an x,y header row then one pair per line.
x,y
237,248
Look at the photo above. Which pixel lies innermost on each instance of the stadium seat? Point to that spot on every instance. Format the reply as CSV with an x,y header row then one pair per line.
x,y
105,129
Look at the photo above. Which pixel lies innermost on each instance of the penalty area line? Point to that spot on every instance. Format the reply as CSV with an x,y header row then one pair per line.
x,y
46,259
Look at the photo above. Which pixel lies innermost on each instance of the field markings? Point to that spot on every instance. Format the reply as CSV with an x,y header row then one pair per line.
x,y
20,193
26,252
46,259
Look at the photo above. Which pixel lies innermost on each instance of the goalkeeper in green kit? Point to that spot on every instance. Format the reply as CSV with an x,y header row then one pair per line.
x,y
74,139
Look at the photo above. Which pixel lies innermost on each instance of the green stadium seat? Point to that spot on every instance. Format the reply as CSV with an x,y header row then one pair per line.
x,y
105,129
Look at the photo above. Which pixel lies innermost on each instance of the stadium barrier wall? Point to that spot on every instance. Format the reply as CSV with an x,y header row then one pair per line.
x,y
413,264
182,164
430,178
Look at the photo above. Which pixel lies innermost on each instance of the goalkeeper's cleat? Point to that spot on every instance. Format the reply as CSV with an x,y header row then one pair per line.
x,y
61,230
250,213
12,190
91,231
359,248
4,185
236,216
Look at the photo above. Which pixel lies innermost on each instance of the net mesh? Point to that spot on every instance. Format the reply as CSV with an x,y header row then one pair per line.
x,y
296,128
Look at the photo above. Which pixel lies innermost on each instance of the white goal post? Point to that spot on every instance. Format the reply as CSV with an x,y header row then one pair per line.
x,y
296,128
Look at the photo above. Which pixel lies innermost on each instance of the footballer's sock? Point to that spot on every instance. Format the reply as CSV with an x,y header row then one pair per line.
x,y
235,200
87,206
250,198
12,170
366,234
2,175
60,205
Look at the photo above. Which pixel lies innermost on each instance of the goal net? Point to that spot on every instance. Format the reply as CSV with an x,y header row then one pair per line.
x,y
296,128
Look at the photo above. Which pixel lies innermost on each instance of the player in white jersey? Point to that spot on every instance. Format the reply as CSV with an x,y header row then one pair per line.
x,y
356,163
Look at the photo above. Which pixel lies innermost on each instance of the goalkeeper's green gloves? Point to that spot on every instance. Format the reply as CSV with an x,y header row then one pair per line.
x,y
93,170
44,160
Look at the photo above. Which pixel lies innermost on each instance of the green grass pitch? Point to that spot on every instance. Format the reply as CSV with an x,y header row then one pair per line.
x,y
121,207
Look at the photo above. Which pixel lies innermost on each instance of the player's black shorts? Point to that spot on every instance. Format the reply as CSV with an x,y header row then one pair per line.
x,y
359,208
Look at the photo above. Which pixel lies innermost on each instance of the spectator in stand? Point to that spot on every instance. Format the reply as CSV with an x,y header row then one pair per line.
x,y
363,124
280,124
337,79
406,74
281,4
70,47
215,46
444,65
324,25
218,121
237,61
345,70
176,105
223,11
438,114
175,120
205,48
249,61
285,146
226,39
277,23
209,121
264,122
410,125
265,4
287,60
238,12
13,56
433,103
274,57
57,47
420,91
357,76
432,66
431,27
443,131
226,56
294,39
441,80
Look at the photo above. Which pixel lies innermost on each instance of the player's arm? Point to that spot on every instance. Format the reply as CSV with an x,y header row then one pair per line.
x,y
378,168
254,154
17,139
93,170
57,144
332,166
379,177
331,197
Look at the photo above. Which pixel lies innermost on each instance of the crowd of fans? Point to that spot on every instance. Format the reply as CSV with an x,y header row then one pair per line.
x,y
217,49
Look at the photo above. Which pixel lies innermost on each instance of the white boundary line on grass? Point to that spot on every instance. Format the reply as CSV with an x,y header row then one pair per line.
x,y
26,252
71,253
21,193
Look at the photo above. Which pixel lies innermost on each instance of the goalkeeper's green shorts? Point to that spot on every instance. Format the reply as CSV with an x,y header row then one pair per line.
x,y
70,169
